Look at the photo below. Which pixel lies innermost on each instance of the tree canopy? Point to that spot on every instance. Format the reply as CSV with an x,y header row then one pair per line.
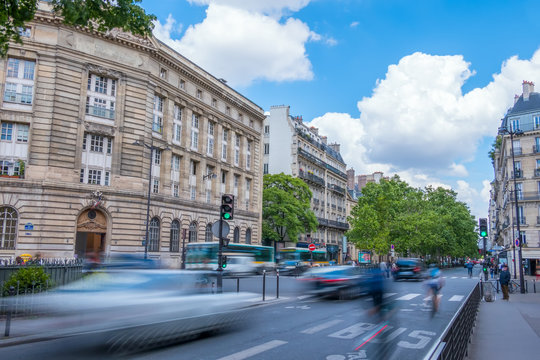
x,y
102,15
416,221
286,208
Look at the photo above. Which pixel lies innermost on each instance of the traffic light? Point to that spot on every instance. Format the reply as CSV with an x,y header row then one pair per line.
x,y
223,261
483,227
227,207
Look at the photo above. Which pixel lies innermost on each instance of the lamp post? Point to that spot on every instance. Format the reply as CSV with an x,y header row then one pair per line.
x,y
152,149
521,275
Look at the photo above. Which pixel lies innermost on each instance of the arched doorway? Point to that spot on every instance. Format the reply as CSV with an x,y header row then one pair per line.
x,y
91,230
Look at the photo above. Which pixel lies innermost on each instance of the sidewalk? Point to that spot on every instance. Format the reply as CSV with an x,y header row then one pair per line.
x,y
508,329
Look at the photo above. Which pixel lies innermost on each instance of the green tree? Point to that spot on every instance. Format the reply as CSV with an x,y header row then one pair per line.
x,y
101,15
286,208
27,280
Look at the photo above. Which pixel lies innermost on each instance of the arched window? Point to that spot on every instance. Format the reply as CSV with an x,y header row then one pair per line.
x,y
208,236
236,238
8,227
193,232
153,235
175,236
248,236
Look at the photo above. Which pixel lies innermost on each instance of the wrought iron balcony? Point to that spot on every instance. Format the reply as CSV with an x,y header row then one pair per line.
x,y
308,176
336,188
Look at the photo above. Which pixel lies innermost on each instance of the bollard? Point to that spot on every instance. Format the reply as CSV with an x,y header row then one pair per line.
x,y
237,284
526,286
212,287
277,284
481,288
264,283
497,282
534,286
9,310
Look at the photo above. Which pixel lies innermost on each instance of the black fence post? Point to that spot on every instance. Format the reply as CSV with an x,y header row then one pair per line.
x,y
237,284
264,284
277,284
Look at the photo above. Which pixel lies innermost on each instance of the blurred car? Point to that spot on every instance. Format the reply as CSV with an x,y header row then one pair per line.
x,y
409,268
342,282
292,267
129,310
240,266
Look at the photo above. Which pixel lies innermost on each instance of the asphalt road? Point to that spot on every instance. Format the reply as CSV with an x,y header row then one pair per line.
x,y
302,327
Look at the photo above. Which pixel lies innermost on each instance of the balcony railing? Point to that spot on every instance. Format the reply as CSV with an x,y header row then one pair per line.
x,y
308,176
525,196
521,220
13,97
99,112
517,151
333,223
518,174
336,188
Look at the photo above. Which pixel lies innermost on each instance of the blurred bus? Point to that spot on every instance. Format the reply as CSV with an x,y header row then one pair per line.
x,y
203,256
301,257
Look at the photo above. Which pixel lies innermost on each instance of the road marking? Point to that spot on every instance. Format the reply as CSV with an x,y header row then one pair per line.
x,y
408,297
456,298
454,277
254,350
314,329
304,297
389,294
428,298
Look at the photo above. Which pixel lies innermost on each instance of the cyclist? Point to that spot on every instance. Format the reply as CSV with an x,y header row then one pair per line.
x,y
434,284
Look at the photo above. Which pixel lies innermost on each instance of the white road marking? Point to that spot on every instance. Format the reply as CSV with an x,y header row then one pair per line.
x,y
254,350
408,297
428,298
454,277
304,297
314,329
389,294
456,298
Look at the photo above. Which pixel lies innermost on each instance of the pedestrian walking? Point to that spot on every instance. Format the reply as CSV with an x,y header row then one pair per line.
x,y
469,268
384,269
504,279
491,270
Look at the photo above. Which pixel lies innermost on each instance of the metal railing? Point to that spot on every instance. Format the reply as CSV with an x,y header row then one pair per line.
x,y
453,342
19,98
99,112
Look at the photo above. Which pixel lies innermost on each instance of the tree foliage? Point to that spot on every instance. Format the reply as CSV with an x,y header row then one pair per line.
x,y
101,15
286,208
429,221
26,280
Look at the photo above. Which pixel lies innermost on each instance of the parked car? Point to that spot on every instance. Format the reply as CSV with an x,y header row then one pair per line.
x,y
342,282
409,268
128,310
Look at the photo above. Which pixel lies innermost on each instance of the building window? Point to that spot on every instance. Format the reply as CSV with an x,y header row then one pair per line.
x,y
96,159
163,74
177,124
208,236
199,94
157,122
228,110
7,131
8,228
155,186
175,164
267,129
174,245
182,84
236,150
195,132
224,145
236,237
157,157
214,102
192,232
96,143
240,117
266,149
248,236
101,97
265,168
153,235
19,85
248,156
193,192
210,139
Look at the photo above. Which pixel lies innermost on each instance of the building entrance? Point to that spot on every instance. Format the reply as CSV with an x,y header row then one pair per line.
x,y
91,230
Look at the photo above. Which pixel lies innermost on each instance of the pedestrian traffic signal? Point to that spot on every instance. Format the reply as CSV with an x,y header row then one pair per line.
x,y
227,207
483,227
223,261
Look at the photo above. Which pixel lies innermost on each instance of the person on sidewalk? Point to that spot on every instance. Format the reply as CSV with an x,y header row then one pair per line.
x,y
470,266
504,279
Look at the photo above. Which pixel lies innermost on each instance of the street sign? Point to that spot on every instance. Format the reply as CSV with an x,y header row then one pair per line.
x,y
311,247
224,230
517,242
392,246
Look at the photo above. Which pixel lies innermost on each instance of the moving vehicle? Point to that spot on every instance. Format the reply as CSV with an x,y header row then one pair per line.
x,y
297,260
129,310
204,256
239,265
342,282
409,268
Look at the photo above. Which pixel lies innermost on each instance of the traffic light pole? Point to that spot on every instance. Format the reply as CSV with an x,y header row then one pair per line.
x,y
220,258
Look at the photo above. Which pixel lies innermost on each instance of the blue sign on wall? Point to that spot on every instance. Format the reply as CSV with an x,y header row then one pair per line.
x,y
28,226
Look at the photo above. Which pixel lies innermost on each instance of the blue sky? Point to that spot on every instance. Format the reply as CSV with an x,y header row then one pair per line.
x,y
415,88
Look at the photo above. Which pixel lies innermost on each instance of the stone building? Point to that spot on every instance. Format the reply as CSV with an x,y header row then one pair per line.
x,y
293,148
515,193
86,117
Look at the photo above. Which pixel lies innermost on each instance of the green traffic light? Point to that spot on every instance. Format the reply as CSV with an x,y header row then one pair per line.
x,y
226,216
483,234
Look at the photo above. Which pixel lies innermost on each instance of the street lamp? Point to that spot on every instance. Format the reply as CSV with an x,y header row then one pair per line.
x,y
521,275
152,148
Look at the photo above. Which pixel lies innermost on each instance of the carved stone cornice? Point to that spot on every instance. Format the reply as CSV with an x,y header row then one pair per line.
x,y
100,70
100,129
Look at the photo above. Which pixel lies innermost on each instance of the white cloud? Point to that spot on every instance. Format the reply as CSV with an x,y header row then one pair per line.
x,y
243,46
486,191
274,8
458,170
354,24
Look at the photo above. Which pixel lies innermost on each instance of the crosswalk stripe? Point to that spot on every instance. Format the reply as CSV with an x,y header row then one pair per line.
x,y
314,329
389,294
408,297
427,298
456,298
244,354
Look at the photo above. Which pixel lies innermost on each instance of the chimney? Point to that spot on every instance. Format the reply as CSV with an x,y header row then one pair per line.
x,y
314,130
516,98
528,88
324,139
335,147
350,179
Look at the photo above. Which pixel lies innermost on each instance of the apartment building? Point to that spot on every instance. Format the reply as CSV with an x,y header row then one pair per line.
x,y
515,195
293,148
100,129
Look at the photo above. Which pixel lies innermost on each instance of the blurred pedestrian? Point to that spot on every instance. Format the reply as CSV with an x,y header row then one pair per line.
x,y
504,279
469,268
384,269
491,270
